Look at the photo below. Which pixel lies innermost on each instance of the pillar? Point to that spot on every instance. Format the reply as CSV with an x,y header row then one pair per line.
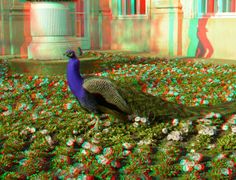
x,y
52,30
166,27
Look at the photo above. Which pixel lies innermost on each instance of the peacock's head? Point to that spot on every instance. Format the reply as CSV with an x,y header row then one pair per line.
x,y
70,53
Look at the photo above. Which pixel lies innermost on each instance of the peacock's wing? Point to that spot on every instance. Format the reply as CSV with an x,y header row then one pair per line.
x,y
108,90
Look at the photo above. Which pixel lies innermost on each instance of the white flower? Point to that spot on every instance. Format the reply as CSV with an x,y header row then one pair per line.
x,y
175,136
24,132
137,119
232,119
209,115
233,128
164,131
75,132
49,140
31,130
44,131
135,124
6,113
185,128
70,142
144,142
205,121
207,130
175,122
225,127
143,120
105,130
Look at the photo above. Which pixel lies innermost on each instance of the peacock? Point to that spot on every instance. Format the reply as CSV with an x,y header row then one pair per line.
x,y
99,95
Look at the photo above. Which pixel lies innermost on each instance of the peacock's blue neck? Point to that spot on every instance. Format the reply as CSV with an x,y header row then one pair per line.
x,y
74,78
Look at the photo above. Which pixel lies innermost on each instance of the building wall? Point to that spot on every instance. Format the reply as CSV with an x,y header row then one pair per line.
x,y
208,35
170,28
174,28
158,31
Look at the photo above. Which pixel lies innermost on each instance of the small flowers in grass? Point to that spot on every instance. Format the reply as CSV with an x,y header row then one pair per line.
x,y
96,149
144,142
128,146
126,152
225,127
232,119
70,142
205,130
75,132
49,140
136,124
87,145
226,171
103,160
164,130
79,140
221,156
196,157
175,136
68,106
95,140
233,129
108,151
106,130
175,122
139,121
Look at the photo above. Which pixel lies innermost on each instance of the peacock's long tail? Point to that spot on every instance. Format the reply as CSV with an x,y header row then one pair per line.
x,y
155,107
224,109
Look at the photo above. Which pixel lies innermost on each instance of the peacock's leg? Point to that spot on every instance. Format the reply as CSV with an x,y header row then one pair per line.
x,y
96,125
97,121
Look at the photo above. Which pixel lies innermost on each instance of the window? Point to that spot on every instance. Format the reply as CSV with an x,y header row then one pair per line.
x,y
227,5
207,6
132,7
216,6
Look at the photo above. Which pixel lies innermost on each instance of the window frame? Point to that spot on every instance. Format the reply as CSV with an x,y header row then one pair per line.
x,y
217,13
123,14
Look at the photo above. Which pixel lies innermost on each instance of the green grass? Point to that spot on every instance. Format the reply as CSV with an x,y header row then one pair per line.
x,y
44,131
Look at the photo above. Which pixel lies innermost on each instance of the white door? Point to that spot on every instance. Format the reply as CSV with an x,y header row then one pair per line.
x,y
82,23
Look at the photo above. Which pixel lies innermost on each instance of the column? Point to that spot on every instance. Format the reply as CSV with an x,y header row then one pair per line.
x,y
166,27
52,30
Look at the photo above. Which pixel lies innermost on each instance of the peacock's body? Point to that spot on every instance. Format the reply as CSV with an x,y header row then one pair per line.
x,y
104,96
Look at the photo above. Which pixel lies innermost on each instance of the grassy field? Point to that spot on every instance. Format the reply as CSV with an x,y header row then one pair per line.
x,y
44,133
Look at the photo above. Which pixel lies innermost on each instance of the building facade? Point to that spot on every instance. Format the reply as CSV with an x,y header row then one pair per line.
x,y
193,28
